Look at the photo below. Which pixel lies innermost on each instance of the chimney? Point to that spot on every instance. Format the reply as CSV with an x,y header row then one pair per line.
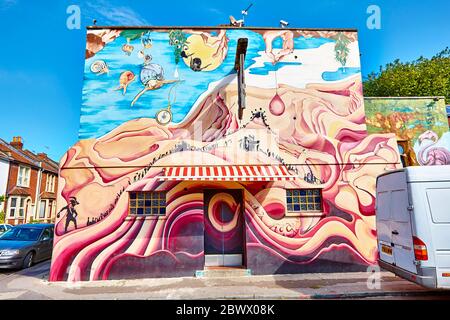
x,y
17,142
42,155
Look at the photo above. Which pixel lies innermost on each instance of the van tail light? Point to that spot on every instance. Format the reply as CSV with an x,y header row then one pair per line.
x,y
420,249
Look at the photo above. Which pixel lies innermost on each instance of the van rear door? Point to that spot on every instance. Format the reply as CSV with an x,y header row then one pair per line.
x,y
394,228
401,227
383,215
438,203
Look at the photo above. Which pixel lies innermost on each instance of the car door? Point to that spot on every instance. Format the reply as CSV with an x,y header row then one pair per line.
x,y
50,243
45,244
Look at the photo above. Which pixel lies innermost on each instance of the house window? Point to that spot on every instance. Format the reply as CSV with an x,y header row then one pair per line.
x,y
50,184
42,209
17,207
304,200
147,203
23,177
52,211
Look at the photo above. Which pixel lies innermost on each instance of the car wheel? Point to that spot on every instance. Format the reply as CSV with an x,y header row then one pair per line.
x,y
28,261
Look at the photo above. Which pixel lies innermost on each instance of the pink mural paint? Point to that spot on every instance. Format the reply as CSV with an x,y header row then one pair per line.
x,y
313,128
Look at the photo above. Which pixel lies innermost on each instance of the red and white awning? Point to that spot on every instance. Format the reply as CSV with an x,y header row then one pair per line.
x,y
228,173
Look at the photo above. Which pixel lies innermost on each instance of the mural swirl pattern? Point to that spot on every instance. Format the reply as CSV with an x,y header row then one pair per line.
x,y
319,133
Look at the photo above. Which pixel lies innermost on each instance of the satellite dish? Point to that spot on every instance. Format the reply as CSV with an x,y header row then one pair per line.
x,y
283,24
236,23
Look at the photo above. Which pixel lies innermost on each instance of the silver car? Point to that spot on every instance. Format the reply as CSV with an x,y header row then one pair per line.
x,y
26,244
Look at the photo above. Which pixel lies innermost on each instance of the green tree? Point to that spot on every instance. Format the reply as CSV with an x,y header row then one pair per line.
x,y
2,214
422,77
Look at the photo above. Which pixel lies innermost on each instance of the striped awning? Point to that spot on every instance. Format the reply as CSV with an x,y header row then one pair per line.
x,y
228,173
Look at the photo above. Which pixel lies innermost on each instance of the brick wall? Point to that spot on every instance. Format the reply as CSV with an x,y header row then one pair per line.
x,y
12,183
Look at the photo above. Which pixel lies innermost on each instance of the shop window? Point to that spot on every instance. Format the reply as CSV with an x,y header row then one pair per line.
x,y
147,203
304,200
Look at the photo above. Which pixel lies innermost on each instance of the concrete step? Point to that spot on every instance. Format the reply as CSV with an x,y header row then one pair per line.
x,y
219,272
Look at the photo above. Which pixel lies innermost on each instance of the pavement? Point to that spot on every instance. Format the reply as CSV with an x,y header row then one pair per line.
x,y
32,284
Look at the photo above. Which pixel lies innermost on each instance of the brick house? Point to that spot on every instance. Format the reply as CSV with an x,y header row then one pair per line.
x,y
46,208
4,172
31,184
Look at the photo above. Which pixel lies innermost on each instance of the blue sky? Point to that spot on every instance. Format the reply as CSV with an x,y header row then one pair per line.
x,y
41,61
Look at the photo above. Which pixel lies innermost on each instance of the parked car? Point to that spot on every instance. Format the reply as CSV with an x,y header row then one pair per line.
x,y
26,244
4,227
413,224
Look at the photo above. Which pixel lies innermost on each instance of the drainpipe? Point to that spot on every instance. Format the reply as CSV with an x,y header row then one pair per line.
x,y
8,187
38,191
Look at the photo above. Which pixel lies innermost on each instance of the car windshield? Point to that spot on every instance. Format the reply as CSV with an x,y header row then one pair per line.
x,y
21,234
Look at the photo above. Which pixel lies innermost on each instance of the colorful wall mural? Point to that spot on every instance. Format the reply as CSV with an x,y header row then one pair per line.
x,y
161,98
420,121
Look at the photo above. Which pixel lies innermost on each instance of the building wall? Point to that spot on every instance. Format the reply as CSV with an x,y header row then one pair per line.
x,y
4,172
420,120
305,111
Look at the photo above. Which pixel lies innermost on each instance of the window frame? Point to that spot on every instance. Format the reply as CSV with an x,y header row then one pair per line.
x,y
20,206
11,208
50,234
50,183
306,212
47,183
53,183
147,209
23,176
40,209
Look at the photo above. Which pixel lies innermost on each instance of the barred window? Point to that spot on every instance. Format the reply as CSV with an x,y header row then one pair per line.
x,y
147,203
304,200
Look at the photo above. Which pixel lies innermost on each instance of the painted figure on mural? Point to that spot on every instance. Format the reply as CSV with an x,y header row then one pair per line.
x,y
287,37
152,77
71,213
429,152
205,52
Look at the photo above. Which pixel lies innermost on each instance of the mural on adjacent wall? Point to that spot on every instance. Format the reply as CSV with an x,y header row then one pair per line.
x,y
421,121
305,111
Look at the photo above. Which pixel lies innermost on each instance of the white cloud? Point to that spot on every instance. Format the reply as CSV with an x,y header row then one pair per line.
x,y
6,4
17,76
107,14
216,11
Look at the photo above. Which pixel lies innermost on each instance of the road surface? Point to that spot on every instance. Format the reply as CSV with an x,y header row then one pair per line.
x,y
32,284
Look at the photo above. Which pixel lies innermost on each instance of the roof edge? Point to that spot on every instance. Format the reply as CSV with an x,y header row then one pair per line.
x,y
218,27
406,98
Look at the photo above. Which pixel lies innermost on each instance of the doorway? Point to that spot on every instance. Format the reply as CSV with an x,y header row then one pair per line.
x,y
224,228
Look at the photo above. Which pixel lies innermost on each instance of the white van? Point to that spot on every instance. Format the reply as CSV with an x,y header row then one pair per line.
x,y
413,224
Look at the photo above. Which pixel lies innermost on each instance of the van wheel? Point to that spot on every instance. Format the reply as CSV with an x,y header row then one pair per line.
x,y
28,261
